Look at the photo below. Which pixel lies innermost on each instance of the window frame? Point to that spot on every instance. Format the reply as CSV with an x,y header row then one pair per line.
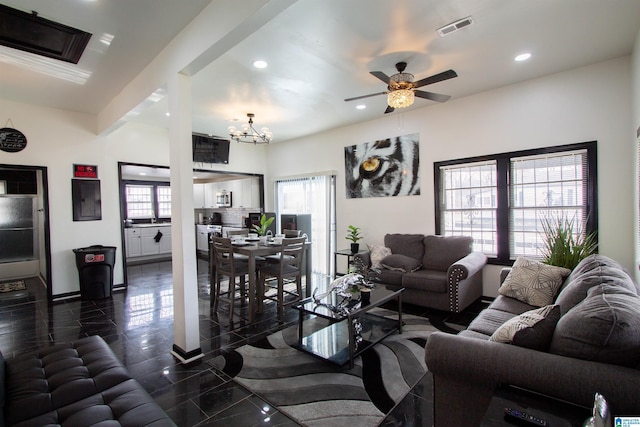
x,y
503,171
154,198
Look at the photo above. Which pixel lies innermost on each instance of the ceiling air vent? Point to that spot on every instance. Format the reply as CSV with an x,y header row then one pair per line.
x,y
454,26
30,33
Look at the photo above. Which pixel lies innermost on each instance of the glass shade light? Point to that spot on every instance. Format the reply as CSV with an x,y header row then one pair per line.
x,y
400,98
249,133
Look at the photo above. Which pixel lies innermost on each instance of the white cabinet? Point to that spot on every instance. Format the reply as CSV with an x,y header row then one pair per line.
x,y
146,242
133,242
210,191
202,238
255,193
153,240
246,194
165,243
199,201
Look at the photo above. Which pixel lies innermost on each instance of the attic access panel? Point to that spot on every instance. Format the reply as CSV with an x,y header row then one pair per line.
x,y
30,33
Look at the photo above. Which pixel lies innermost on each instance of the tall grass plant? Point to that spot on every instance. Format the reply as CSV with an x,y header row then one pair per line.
x,y
566,244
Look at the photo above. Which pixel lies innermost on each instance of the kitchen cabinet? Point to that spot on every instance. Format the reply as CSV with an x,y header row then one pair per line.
x,y
255,193
202,238
133,242
199,196
141,241
210,191
245,193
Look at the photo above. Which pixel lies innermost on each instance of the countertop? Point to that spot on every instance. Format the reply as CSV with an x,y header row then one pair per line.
x,y
159,224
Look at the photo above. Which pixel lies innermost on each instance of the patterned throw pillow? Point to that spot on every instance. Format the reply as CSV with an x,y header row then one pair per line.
x,y
378,252
532,329
533,282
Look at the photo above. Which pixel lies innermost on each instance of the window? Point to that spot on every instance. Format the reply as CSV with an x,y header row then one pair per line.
x,y
147,201
314,195
163,196
502,200
139,203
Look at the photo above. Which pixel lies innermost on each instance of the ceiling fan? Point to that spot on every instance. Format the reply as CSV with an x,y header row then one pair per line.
x,y
402,88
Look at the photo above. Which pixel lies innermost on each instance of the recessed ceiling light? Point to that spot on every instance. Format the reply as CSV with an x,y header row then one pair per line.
x,y
522,57
142,173
167,114
260,63
361,107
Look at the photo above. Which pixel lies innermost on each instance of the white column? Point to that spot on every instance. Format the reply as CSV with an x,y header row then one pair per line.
x,y
186,333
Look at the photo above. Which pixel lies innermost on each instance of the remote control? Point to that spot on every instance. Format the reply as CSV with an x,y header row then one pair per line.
x,y
523,417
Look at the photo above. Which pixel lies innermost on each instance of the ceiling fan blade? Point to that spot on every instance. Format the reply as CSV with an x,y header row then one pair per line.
x,y
445,75
382,76
432,96
389,109
365,96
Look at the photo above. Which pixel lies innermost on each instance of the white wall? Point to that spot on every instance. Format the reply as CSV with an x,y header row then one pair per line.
x,y
589,103
635,77
57,139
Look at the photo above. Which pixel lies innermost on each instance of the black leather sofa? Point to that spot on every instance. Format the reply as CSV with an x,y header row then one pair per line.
x,y
79,383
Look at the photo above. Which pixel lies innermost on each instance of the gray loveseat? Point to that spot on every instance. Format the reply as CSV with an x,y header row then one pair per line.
x,y
437,272
594,347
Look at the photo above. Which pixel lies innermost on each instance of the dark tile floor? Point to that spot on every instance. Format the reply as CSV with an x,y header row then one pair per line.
x,y
138,325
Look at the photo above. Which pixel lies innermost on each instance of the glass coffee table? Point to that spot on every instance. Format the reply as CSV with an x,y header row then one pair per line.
x,y
349,332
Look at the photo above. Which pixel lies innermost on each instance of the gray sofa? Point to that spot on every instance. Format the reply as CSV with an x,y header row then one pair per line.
x,y
437,272
594,347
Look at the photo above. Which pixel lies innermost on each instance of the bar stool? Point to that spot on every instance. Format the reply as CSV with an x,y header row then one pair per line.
x,y
227,265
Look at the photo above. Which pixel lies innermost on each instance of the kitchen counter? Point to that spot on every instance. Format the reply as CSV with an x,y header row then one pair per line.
x,y
158,224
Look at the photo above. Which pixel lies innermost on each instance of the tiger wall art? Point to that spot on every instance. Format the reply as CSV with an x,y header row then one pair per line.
x,y
383,168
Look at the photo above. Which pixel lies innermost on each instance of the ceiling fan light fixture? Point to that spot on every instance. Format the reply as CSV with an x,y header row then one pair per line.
x,y
400,98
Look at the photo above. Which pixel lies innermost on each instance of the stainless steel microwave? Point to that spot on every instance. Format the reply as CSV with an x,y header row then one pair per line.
x,y
223,199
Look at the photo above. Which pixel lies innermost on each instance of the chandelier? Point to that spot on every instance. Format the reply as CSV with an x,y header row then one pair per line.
x,y
400,98
249,134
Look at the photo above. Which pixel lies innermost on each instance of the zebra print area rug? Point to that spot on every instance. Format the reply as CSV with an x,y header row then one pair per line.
x,y
318,393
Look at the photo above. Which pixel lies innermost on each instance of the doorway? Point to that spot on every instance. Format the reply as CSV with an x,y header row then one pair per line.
x,y
145,198
24,224
314,197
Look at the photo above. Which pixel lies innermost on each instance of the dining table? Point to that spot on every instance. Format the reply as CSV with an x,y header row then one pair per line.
x,y
257,249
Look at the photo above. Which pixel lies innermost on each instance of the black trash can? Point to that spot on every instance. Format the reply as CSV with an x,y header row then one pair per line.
x,y
95,268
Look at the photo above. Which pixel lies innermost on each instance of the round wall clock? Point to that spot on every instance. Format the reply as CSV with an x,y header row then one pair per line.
x,y
12,140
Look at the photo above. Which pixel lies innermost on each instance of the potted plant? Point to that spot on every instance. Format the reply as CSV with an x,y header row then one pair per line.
x,y
565,245
263,228
353,234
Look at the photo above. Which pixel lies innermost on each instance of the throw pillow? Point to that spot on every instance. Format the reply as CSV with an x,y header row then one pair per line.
x,y
603,327
378,252
441,252
533,282
400,262
592,271
532,329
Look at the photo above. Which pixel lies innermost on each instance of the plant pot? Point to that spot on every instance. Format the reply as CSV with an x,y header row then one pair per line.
x,y
355,247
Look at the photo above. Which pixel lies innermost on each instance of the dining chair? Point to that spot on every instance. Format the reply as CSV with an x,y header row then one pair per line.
x,y
274,259
235,233
243,233
289,266
232,234
227,265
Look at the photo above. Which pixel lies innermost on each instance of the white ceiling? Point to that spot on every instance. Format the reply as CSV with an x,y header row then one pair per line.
x,y
321,52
